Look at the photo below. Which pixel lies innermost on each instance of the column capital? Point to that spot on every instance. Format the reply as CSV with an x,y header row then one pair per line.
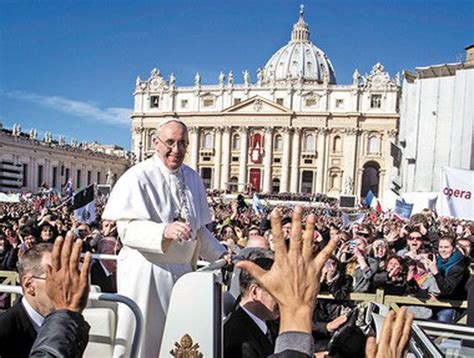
x,y
268,130
226,129
353,131
326,130
392,133
297,130
193,129
243,130
218,130
287,130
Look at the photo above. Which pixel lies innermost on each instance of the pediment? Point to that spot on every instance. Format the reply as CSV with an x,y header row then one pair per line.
x,y
258,105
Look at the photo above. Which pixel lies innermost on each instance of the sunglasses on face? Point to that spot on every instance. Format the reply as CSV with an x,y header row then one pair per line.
x,y
411,238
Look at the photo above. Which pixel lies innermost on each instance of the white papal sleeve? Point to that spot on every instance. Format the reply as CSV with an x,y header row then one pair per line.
x,y
143,235
210,249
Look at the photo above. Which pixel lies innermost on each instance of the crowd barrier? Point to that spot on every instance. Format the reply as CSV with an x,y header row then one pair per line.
x,y
10,278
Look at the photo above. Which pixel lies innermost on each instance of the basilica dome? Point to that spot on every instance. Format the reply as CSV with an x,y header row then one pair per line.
x,y
300,59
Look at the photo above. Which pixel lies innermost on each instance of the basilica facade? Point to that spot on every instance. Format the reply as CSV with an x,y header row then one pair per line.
x,y
293,129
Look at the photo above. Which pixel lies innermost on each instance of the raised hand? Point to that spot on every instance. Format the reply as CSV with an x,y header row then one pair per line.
x,y
66,285
394,338
294,279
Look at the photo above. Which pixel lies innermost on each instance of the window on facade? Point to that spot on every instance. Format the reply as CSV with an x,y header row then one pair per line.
x,y
279,101
233,184
68,175
275,185
335,177
25,175
376,101
236,142
55,177
235,159
339,103
98,177
308,161
40,175
310,102
237,101
78,177
278,145
208,102
309,144
184,103
154,101
89,177
206,175
307,181
337,144
373,144
276,160
207,142
151,134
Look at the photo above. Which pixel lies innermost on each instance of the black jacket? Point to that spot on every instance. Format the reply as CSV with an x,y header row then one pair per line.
x,y
99,278
63,334
243,338
452,285
16,332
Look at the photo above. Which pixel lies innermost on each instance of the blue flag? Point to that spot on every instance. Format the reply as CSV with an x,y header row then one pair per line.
x,y
402,209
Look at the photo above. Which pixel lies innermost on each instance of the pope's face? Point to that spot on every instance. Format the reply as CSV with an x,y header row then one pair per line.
x,y
171,143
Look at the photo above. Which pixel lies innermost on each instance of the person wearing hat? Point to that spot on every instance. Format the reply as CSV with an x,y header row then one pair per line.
x,y
161,211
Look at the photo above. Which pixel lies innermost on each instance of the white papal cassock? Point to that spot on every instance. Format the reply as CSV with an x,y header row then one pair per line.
x,y
143,202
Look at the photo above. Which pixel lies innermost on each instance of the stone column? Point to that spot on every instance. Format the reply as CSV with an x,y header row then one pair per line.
x,y
243,158
267,160
358,182
382,185
327,151
225,157
217,157
285,165
320,147
194,132
295,160
350,153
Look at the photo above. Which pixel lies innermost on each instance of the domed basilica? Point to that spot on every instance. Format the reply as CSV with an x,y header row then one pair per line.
x,y
293,129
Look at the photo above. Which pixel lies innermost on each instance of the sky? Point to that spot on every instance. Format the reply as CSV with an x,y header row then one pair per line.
x,y
69,67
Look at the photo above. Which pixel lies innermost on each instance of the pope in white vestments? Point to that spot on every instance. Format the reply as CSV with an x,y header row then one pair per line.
x,y
161,210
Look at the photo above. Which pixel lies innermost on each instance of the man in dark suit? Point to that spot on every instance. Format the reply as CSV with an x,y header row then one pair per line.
x,y
246,333
103,272
19,324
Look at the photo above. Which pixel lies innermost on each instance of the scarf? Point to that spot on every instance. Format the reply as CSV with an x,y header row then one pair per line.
x,y
444,266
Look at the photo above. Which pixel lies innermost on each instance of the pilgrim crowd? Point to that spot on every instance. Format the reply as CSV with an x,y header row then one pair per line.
x,y
427,256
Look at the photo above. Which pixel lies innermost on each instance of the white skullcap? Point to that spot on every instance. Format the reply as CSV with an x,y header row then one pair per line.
x,y
168,120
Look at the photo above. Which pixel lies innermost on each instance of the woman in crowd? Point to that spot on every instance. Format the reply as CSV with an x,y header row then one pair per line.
x,y
451,274
379,251
392,279
362,268
328,315
46,232
414,243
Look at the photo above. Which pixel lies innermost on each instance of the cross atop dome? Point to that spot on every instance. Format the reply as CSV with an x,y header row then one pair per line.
x,y
300,29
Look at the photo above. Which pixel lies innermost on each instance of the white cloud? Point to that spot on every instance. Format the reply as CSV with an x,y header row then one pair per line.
x,y
113,115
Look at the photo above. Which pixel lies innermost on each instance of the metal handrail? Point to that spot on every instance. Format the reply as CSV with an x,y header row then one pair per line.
x,y
110,297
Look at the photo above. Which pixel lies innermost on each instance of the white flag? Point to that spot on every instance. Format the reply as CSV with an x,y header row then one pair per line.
x,y
457,186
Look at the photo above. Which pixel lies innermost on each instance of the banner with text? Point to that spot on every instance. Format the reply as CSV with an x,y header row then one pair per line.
x,y
457,186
